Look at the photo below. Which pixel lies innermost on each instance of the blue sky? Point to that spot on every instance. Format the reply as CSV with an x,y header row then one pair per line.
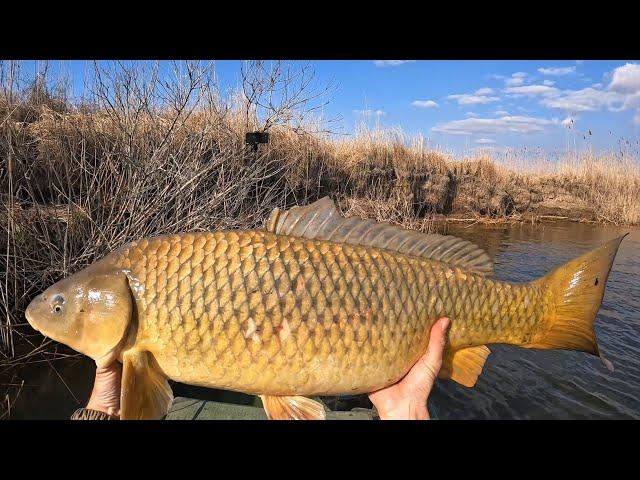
x,y
544,106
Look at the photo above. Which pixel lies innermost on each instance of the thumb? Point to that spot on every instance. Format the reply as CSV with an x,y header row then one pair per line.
x,y
423,374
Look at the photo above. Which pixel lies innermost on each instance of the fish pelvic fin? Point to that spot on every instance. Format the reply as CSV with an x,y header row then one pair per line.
x,y
292,408
464,365
145,394
577,288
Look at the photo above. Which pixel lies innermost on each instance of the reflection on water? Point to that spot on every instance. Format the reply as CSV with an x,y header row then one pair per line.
x,y
516,383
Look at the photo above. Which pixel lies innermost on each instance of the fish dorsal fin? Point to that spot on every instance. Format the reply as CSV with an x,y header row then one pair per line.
x,y
321,220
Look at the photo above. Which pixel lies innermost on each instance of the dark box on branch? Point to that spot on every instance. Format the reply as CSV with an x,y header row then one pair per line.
x,y
256,138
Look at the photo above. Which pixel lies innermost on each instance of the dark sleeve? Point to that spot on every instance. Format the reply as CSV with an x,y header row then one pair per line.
x,y
87,414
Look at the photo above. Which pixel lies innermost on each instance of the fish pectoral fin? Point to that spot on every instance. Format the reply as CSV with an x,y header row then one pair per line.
x,y
292,408
464,365
146,394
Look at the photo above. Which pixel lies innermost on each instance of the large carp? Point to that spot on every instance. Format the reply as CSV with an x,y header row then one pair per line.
x,y
312,304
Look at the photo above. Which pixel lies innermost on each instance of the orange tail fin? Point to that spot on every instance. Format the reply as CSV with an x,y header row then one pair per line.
x,y
578,287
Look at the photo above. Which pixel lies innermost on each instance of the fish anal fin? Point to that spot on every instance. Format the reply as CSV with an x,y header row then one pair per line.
x,y
321,220
464,366
146,394
292,408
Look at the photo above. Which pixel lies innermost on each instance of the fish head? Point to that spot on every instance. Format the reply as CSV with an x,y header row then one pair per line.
x,y
88,311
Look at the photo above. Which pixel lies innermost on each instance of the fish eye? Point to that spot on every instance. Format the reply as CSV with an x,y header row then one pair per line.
x,y
57,302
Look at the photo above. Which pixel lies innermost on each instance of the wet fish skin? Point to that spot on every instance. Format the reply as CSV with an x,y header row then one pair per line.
x,y
271,314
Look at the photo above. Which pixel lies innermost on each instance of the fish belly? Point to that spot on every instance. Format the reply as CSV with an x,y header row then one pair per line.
x,y
261,313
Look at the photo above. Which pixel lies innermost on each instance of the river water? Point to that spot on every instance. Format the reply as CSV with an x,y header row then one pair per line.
x,y
516,383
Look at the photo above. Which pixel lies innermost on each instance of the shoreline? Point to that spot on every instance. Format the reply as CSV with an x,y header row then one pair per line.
x,y
530,218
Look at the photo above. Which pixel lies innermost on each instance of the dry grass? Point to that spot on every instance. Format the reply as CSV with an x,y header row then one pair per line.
x,y
610,183
77,181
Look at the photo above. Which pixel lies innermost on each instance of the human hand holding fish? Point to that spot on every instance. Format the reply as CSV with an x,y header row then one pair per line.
x,y
407,399
104,402
105,396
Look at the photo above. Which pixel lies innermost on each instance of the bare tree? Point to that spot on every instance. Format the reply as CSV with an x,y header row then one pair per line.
x,y
283,93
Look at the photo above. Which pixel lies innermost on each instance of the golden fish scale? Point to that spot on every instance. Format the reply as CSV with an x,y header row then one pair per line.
x,y
270,314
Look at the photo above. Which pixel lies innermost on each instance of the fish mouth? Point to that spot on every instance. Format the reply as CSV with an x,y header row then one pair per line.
x,y
28,313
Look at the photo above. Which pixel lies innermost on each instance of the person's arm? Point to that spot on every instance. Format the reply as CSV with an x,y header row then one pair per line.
x,y
104,403
407,399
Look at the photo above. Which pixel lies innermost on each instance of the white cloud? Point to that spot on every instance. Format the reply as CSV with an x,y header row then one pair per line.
x,y
471,114
370,113
626,79
514,124
579,62
390,63
516,79
585,100
484,91
622,93
501,113
632,101
514,82
424,103
532,90
466,99
557,71
485,141
480,96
